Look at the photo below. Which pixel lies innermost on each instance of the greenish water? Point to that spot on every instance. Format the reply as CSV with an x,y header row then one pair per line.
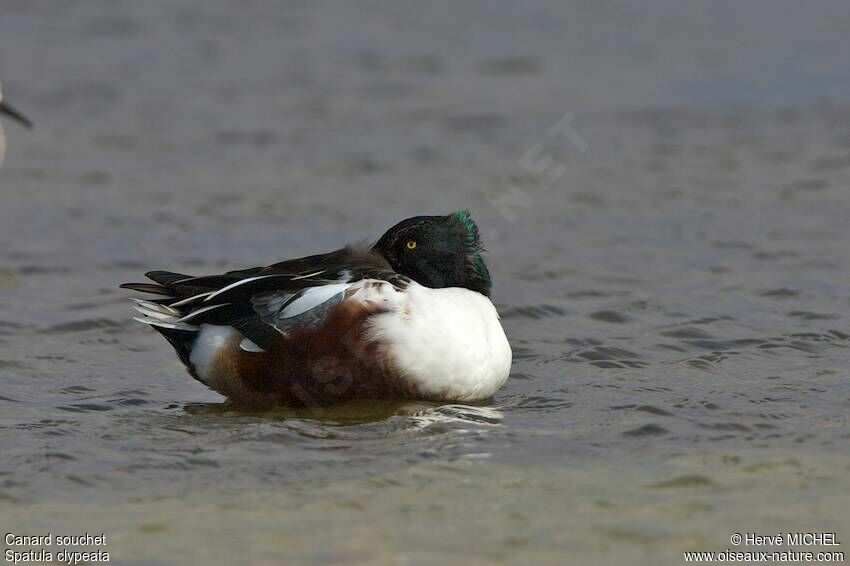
x,y
676,296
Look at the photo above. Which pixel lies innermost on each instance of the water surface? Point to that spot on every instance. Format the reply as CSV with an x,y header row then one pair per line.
x,y
677,298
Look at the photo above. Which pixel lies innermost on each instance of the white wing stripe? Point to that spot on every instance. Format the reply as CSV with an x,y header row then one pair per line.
x,y
308,275
237,284
191,299
195,313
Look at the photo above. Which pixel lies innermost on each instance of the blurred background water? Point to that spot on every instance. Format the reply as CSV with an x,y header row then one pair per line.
x,y
676,293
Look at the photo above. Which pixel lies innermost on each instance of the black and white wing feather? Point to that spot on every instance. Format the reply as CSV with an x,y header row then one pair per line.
x,y
263,302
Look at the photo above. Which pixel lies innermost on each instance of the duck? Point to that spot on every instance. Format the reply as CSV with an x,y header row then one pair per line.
x,y
408,317
9,110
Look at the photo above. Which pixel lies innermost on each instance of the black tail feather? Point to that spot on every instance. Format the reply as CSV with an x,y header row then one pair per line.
x,y
147,288
166,278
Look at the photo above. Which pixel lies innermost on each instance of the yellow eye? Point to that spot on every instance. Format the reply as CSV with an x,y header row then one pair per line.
x,y
411,244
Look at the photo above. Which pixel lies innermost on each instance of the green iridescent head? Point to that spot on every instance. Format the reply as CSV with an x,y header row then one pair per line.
x,y
438,251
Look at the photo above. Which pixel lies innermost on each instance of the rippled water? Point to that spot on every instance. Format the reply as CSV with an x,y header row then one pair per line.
x,y
677,299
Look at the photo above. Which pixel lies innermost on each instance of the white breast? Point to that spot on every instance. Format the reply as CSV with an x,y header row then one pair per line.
x,y
447,342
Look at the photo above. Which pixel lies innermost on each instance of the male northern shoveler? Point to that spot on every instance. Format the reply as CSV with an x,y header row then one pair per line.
x,y
409,317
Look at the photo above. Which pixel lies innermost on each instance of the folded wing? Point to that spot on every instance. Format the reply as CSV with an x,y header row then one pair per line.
x,y
262,303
